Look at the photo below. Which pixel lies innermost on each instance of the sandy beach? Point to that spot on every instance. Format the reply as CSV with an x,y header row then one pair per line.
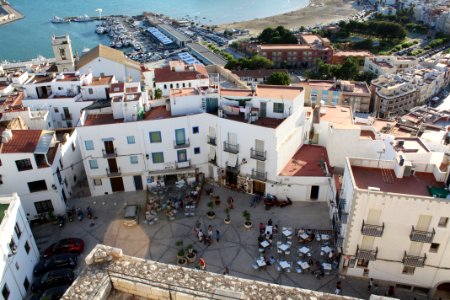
x,y
317,12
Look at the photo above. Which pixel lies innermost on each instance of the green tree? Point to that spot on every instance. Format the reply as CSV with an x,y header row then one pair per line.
x,y
279,78
279,35
158,93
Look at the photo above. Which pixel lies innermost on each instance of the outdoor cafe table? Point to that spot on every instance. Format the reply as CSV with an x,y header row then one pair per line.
x,y
264,244
268,229
304,236
261,262
303,264
326,249
324,237
283,247
287,232
304,250
326,266
284,264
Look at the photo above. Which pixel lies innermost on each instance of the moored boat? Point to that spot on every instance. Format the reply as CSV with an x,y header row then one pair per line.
x,y
57,20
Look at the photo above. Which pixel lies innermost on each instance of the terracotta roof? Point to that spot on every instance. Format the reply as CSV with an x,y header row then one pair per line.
x,y
165,74
336,114
118,87
306,162
23,141
103,80
108,53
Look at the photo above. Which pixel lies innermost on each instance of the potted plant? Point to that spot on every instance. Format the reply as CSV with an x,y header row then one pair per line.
x,y
217,200
181,259
191,254
227,219
211,214
247,223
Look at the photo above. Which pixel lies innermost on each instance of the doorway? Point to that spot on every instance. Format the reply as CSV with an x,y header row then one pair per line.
x,y
314,192
443,291
117,184
138,182
112,164
109,147
263,111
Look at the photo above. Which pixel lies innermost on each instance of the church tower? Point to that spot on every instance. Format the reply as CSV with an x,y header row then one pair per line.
x,y
63,53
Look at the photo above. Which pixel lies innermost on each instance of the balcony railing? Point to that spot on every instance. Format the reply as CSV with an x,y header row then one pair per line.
x,y
109,153
421,236
231,148
183,164
212,140
259,155
366,254
181,144
414,261
259,175
113,173
372,230
66,116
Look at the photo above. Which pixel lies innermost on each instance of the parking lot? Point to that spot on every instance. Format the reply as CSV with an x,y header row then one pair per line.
x,y
236,249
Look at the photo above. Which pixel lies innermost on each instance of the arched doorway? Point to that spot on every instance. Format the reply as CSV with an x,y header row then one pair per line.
x,y
443,291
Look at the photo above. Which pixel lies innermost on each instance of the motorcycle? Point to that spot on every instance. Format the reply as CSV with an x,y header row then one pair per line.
x,y
60,220
80,214
70,214
89,212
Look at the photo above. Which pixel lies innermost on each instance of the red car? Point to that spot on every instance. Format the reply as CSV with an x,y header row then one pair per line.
x,y
70,245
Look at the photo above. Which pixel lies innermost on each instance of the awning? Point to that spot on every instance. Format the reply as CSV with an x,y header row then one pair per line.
x,y
232,160
44,143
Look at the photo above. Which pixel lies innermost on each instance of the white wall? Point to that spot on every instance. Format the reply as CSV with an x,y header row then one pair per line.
x,y
101,66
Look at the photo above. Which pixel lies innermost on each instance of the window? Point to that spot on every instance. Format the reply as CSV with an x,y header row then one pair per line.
x,y
17,230
13,246
165,86
90,91
278,108
434,248
27,247
134,159
180,136
17,266
97,181
158,157
443,222
37,186
60,88
26,283
5,292
131,139
56,110
24,165
182,155
155,137
195,130
93,164
89,145
408,270
197,150
43,206
73,147
362,263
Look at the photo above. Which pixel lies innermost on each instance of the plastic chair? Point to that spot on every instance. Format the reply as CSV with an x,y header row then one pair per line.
x,y
288,252
278,268
255,266
261,250
298,270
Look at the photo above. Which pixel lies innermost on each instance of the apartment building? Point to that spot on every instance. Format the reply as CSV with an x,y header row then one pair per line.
x,y
18,248
393,96
389,64
337,92
383,240
40,166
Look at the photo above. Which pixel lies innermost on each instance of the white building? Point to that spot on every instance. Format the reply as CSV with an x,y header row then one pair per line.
x,y
389,64
392,218
19,253
103,60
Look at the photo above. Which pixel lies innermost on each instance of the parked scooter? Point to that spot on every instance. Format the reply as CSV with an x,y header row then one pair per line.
x,y
71,214
89,212
60,220
80,214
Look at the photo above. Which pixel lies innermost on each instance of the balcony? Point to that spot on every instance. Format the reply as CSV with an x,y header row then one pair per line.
x,y
113,173
231,148
181,144
262,176
259,155
366,254
183,164
414,261
66,117
372,230
211,140
421,236
109,153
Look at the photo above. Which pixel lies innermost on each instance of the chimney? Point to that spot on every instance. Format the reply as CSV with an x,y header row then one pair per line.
x,y
6,135
316,115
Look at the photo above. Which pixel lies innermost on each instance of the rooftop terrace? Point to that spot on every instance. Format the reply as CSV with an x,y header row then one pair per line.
x,y
309,160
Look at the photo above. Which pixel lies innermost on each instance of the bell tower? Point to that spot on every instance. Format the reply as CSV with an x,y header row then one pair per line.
x,y
62,49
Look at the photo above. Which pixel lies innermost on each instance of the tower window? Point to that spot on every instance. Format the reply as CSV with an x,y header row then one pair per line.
x,y
62,53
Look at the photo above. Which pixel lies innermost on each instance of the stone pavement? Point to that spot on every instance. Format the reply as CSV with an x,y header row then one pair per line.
x,y
236,249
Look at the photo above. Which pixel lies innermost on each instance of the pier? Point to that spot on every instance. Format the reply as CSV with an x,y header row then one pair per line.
x,y
8,14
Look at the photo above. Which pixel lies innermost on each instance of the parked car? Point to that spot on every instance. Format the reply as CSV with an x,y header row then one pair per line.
x,y
52,279
70,245
65,260
54,293
131,215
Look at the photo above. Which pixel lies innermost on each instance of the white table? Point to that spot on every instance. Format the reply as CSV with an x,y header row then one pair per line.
x,y
304,236
324,237
303,264
304,250
287,232
284,264
268,229
284,247
326,266
261,262
264,244
326,249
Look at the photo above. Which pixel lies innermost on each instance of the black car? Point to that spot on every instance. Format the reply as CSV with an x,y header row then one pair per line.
x,y
65,260
54,293
52,279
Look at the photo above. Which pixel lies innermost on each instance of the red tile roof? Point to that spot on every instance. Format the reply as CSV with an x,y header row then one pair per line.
x,y
306,162
23,141
118,87
165,74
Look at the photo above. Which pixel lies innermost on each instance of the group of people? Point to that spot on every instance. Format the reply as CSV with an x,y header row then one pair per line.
x,y
207,237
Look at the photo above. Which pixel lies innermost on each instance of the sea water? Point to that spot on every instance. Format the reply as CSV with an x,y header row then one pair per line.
x,y
31,36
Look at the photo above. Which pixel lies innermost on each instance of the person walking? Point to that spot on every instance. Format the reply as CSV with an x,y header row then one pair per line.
x,y
226,271
217,235
338,288
370,286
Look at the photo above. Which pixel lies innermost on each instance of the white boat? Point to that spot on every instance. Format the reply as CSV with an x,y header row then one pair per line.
x,y
112,44
119,44
57,19
84,18
85,50
100,30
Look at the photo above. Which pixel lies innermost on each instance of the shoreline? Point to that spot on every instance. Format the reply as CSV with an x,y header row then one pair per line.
x,y
13,11
316,12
